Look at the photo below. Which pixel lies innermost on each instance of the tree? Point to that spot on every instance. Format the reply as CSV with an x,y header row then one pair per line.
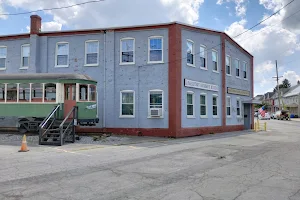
x,y
286,83
298,82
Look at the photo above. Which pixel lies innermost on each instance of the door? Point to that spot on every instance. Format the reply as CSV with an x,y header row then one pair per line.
x,y
70,98
247,116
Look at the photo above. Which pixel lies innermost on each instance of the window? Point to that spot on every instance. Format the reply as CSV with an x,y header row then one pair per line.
x,y
238,107
203,112
91,53
190,104
156,100
245,70
190,53
50,92
237,67
228,106
2,92
203,56
215,105
228,65
92,93
215,60
127,51
127,104
25,54
155,49
3,54
83,92
12,92
37,92
24,92
70,92
62,54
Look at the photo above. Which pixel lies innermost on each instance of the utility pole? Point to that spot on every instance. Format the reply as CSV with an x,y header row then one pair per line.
x,y
278,92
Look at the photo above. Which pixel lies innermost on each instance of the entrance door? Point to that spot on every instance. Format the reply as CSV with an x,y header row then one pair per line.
x,y
70,98
247,116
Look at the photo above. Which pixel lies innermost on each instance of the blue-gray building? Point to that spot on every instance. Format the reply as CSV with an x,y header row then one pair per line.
x,y
161,80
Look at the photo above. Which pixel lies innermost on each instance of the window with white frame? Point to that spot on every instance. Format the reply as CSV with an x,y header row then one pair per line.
x,y
237,67
228,106
190,59
12,92
127,51
245,70
24,92
203,107
91,52
155,49
62,54
25,54
127,103
228,65
3,54
190,104
215,105
2,92
238,107
156,102
203,57
215,60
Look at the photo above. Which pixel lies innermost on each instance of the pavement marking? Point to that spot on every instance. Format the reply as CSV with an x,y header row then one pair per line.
x,y
71,152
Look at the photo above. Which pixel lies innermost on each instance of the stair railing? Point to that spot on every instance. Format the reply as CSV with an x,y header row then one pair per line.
x,y
68,130
42,126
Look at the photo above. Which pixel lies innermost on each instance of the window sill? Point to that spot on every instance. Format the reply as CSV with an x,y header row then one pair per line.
x,y
23,67
61,66
204,117
245,79
238,77
203,68
190,117
155,62
215,71
126,117
228,116
149,117
216,117
228,74
129,63
190,65
91,65
238,116
2,69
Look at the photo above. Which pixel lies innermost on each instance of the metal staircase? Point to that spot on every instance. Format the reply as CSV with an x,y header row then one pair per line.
x,y
53,131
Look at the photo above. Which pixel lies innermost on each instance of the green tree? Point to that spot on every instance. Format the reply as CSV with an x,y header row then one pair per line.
x,y
286,83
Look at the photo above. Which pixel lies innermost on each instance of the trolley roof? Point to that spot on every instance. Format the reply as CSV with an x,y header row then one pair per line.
x,y
46,76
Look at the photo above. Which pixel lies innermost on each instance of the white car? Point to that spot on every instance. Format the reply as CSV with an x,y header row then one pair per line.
x,y
266,117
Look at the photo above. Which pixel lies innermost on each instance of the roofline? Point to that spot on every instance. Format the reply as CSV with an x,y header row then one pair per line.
x,y
120,28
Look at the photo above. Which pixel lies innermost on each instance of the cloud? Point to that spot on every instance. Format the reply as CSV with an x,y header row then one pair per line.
x,y
2,11
240,8
292,76
51,26
115,12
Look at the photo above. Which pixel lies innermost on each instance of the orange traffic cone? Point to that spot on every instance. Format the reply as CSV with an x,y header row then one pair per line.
x,y
24,145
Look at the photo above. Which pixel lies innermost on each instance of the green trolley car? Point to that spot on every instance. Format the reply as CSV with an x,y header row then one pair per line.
x,y
37,98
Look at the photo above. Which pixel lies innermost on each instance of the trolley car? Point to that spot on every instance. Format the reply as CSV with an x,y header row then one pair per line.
x,y
32,97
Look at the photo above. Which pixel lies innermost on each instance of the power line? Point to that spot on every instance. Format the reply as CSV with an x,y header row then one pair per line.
x,y
48,9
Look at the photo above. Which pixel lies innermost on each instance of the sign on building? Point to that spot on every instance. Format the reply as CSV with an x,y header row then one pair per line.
x,y
200,85
238,92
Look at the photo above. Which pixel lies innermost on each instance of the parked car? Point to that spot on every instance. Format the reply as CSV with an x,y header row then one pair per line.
x,y
266,117
282,114
272,115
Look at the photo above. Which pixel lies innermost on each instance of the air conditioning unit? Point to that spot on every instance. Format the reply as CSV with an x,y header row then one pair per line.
x,y
155,112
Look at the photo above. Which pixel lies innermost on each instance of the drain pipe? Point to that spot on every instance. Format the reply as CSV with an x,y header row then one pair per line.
x,y
104,81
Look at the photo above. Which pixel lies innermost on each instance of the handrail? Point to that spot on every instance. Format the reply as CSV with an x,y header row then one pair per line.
x,y
48,117
68,115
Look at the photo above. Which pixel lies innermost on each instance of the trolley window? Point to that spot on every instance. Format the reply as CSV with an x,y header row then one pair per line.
x,y
92,91
50,92
12,92
2,92
83,92
37,92
24,92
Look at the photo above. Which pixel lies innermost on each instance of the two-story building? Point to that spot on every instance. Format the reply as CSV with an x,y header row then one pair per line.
x,y
168,79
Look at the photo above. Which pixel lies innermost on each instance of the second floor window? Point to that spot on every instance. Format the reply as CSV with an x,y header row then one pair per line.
x,y
190,53
127,51
203,57
215,60
25,51
237,68
228,65
62,54
91,52
3,53
155,49
245,70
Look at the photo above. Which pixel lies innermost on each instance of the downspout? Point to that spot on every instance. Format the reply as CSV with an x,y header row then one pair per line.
x,y
104,81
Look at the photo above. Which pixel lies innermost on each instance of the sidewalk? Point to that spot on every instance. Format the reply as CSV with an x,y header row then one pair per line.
x,y
295,119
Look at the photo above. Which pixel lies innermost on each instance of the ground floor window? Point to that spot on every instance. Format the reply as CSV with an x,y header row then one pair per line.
x,y
12,92
228,106
50,92
24,92
127,104
92,93
203,111
2,92
215,105
190,104
83,92
155,103
238,107
37,92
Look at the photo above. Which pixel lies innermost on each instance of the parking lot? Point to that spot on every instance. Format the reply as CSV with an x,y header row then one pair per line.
x,y
230,166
